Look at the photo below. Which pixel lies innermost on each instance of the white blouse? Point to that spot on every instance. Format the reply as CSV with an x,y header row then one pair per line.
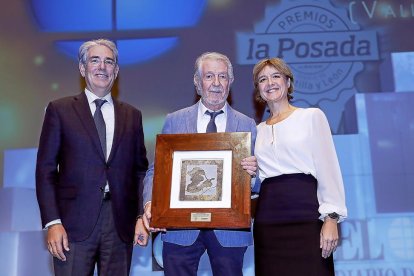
x,y
302,143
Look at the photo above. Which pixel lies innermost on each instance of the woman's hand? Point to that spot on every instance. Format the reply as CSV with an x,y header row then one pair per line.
x,y
249,164
329,237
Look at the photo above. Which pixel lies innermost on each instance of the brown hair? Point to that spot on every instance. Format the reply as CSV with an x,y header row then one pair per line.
x,y
279,65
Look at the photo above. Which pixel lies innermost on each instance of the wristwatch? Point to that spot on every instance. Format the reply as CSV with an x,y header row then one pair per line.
x,y
333,216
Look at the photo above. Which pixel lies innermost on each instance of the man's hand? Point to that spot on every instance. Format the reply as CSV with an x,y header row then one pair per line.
x,y
329,237
57,240
141,233
249,164
147,219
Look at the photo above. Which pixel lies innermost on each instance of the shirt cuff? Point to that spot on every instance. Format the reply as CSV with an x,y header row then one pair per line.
x,y
53,222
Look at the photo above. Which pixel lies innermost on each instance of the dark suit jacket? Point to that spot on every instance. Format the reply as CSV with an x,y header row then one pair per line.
x,y
71,170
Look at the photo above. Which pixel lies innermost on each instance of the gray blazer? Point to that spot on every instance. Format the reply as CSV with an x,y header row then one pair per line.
x,y
185,121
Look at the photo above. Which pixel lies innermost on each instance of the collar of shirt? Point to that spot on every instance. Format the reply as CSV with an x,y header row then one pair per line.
x,y
203,118
202,109
92,97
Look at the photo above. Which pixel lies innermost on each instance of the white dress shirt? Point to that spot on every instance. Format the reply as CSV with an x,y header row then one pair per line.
x,y
203,119
302,143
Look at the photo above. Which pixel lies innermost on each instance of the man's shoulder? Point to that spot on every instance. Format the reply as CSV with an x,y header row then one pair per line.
x,y
127,106
183,112
239,115
65,100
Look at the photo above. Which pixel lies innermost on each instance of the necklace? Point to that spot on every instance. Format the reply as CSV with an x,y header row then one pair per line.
x,y
278,118
274,119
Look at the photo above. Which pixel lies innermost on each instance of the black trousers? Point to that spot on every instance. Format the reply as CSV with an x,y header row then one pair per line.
x,y
102,248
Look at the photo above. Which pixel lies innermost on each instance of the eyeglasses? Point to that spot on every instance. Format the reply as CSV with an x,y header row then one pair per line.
x,y
95,61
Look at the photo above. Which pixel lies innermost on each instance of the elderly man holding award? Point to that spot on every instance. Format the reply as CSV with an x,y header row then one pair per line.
x,y
225,246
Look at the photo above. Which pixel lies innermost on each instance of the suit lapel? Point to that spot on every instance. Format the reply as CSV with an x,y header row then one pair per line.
x,y
232,122
120,119
83,111
191,119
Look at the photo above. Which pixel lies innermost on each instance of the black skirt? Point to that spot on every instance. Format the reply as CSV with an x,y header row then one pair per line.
x,y
287,229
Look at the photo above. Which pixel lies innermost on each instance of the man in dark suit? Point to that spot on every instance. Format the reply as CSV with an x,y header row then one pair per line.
x,y
182,249
90,166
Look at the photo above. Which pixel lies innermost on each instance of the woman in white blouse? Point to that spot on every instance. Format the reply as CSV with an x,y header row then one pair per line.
x,y
302,198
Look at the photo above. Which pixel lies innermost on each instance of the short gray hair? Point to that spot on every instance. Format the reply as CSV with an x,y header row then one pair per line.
x,y
213,56
84,48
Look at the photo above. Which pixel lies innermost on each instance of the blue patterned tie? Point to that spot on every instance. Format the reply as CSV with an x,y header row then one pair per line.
x,y
100,123
211,127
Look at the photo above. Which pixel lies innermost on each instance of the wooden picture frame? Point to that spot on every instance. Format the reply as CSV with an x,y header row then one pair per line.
x,y
199,182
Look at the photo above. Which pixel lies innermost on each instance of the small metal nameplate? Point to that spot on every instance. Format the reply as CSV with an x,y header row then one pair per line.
x,y
200,217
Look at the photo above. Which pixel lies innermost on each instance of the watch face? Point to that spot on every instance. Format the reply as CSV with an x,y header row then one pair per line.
x,y
333,215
